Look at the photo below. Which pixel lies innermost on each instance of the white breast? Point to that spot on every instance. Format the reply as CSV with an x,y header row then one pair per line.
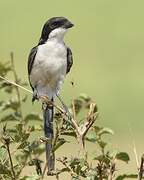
x,y
49,68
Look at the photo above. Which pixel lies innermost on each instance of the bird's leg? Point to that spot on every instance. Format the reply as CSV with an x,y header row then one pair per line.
x,y
64,106
46,102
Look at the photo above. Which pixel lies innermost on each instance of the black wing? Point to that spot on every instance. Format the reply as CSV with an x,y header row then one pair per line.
x,y
31,59
69,59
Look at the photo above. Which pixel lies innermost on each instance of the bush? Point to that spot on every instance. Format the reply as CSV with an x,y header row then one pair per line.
x,y
19,147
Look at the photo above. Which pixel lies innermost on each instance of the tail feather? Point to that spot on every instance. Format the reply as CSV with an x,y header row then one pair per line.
x,y
48,129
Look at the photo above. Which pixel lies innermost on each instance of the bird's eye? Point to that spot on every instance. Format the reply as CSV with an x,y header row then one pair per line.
x,y
55,24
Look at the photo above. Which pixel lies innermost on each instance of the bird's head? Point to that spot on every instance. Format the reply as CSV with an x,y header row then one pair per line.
x,y
55,27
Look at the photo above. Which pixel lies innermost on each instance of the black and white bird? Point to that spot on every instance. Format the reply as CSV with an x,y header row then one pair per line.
x,y
48,64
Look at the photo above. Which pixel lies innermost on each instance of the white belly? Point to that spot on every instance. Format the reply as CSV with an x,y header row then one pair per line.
x,y
49,68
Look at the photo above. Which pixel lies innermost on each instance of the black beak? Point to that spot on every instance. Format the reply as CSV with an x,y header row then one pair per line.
x,y
68,25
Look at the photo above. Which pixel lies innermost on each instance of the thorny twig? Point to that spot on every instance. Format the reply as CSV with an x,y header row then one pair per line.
x,y
44,170
112,170
16,87
141,169
15,84
92,116
63,161
44,98
86,126
80,130
135,153
73,109
74,121
134,145
7,142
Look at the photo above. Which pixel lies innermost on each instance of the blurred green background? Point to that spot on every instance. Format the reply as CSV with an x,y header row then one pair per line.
x,y
108,48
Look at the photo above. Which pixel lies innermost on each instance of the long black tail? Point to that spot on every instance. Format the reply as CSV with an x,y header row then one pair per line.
x,y
48,129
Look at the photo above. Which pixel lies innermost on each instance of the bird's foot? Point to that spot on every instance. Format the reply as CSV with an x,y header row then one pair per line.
x,y
46,102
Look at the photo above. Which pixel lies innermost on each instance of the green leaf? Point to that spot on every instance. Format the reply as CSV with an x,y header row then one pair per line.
x,y
33,177
33,116
125,176
23,145
78,103
85,97
4,169
92,175
60,142
36,127
9,117
22,158
97,129
91,137
123,156
8,87
64,170
101,143
105,131
103,158
4,68
25,136
19,132
69,133
19,127
100,130
75,178
2,152
37,148
34,162
17,169
24,98
84,168
74,162
10,104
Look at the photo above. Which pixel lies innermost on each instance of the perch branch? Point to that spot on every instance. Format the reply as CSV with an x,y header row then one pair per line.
x,y
7,142
15,84
49,102
27,90
141,169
